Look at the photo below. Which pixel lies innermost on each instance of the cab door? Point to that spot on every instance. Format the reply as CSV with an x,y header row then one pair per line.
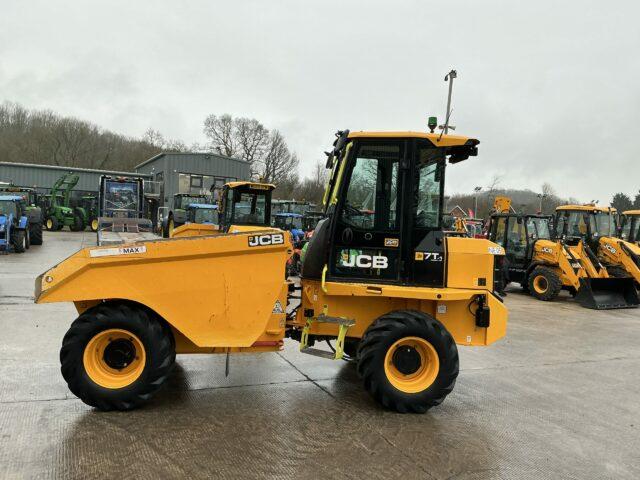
x,y
366,234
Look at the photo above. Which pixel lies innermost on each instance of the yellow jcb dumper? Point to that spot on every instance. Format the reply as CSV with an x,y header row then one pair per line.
x,y
544,266
630,226
597,227
379,277
242,207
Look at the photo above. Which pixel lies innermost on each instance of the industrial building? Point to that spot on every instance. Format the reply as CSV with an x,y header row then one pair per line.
x,y
42,177
165,174
192,172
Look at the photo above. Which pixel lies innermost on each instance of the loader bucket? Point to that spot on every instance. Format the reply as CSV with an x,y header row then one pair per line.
x,y
607,293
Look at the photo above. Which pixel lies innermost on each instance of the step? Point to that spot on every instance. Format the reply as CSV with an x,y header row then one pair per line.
x,y
316,352
322,318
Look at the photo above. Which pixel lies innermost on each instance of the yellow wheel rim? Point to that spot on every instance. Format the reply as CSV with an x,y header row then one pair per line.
x,y
94,225
540,284
171,227
411,364
114,358
49,224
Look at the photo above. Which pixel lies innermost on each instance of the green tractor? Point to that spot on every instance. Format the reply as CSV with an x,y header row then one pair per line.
x,y
88,208
33,211
58,211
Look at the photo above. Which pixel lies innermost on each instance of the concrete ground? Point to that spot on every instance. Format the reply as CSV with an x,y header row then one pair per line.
x,y
559,397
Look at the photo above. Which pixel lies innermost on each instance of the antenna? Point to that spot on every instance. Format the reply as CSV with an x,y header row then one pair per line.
x,y
449,77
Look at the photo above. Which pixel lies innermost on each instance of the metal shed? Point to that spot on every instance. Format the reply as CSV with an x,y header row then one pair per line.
x,y
42,177
192,172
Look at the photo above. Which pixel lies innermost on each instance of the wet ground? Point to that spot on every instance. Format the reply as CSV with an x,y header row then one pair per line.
x,y
559,397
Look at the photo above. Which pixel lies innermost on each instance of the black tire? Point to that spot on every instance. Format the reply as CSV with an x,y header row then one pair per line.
x,y
35,232
77,225
27,238
351,347
544,283
18,240
153,333
381,335
52,224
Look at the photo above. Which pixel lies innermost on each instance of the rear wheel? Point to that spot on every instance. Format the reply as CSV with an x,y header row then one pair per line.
x,y
18,241
116,356
77,225
544,283
408,360
35,233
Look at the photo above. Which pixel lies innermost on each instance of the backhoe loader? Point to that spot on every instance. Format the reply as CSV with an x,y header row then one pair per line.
x,y
545,266
242,207
384,283
630,226
597,226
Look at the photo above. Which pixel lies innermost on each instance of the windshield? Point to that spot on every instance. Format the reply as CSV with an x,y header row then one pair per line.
x,y
206,215
289,223
631,228
250,209
603,224
182,201
121,196
538,228
8,207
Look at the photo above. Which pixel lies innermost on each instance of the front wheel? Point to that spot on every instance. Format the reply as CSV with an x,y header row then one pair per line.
x,y
18,241
51,223
408,361
116,356
544,283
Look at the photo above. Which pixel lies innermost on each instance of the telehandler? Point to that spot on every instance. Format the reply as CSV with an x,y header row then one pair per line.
x,y
545,266
393,292
598,227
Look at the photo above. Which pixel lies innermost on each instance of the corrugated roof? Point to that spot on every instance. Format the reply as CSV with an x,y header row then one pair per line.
x,y
216,155
74,169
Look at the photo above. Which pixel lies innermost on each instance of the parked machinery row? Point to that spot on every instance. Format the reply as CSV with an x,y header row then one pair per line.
x,y
580,249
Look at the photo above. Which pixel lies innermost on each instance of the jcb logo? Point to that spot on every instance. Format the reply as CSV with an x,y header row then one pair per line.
x,y
547,250
366,261
611,249
264,240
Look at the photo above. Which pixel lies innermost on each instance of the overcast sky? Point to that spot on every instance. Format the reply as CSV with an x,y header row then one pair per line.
x,y
551,89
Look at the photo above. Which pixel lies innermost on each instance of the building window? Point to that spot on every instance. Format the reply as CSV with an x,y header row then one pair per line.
x,y
196,182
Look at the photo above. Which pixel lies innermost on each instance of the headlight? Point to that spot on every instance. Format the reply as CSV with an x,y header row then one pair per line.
x,y
2,228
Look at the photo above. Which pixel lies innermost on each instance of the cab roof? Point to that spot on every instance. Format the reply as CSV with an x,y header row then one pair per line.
x,y
289,214
206,206
256,185
587,208
631,212
435,138
11,198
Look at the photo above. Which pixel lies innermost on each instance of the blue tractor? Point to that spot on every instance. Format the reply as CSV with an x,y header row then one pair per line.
x,y
291,222
14,224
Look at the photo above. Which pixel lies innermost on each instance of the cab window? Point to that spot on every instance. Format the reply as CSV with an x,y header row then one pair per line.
x,y
430,166
371,199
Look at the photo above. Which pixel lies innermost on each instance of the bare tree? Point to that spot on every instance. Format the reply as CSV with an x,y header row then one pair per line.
x,y
221,132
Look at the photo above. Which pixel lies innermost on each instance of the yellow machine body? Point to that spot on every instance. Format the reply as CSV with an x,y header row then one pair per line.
x,y
194,230
470,273
215,292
